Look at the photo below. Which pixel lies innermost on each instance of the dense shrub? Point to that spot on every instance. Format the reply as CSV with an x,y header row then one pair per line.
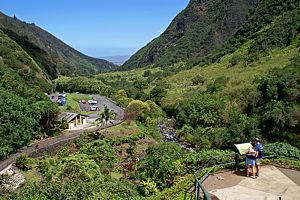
x,y
276,104
83,85
23,162
21,120
147,112
162,164
281,149
202,110
198,80
102,153
165,163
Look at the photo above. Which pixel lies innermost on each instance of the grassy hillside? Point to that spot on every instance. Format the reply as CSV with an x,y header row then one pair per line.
x,y
197,31
239,78
51,54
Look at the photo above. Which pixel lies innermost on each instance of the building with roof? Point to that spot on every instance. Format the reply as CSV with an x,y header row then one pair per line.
x,y
74,120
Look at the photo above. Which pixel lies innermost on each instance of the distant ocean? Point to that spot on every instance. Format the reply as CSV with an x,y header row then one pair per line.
x,y
118,60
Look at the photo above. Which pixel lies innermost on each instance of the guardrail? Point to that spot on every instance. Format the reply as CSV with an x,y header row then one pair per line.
x,y
211,165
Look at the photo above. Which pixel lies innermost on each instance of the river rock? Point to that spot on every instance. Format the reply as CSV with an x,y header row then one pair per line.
x,y
11,179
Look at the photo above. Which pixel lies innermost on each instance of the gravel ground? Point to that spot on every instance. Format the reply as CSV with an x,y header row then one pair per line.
x,y
223,179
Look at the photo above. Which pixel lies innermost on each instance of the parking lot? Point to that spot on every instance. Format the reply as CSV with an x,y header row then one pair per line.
x,y
101,103
84,106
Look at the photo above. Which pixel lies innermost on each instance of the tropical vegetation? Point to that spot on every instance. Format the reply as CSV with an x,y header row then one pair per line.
x,y
226,83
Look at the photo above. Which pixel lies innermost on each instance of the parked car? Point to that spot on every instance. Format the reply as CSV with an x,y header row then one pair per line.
x,y
83,101
61,102
94,108
92,102
62,96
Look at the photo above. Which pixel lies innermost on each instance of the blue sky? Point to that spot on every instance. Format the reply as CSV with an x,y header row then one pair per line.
x,y
99,27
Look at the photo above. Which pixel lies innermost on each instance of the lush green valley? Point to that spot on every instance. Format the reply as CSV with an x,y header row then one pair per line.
x,y
224,72
230,85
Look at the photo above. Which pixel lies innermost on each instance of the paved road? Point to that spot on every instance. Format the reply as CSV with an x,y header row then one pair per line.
x,y
103,101
42,146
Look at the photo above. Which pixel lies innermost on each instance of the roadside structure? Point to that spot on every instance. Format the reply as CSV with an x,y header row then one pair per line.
x,y
74,120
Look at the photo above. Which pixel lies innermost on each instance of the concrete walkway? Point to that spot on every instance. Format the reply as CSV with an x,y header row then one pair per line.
x,y
270,185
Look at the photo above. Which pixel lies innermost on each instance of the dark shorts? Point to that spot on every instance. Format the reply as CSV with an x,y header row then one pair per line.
x,y
250,161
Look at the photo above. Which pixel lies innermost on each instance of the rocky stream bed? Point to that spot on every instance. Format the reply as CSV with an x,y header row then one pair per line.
x,y
170,136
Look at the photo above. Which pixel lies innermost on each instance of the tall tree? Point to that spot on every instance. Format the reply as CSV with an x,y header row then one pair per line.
x,y
105,116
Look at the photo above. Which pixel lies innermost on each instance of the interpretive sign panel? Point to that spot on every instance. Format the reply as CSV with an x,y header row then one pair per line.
x,y
242,148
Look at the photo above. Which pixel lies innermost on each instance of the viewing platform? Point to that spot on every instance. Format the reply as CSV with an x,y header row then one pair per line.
x,y
272,184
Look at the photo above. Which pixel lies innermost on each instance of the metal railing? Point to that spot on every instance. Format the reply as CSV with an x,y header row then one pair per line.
x,y
211,165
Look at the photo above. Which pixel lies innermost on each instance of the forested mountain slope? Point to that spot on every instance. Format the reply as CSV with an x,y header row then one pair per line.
x,y
25,111
51,54
16,60
198,30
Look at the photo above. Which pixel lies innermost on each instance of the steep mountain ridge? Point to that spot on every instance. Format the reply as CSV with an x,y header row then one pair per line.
x,y
13,59
202,27
54,56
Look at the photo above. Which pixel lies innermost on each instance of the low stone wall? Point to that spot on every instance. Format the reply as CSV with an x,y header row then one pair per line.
x,y
51,149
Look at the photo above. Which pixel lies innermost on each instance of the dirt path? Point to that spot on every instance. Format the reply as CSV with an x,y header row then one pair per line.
x,y
50,144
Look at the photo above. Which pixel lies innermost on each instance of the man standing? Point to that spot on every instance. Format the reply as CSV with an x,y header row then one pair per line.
x,y
258,149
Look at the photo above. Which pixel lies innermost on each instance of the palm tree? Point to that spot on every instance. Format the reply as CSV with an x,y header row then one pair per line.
x,y
105,116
